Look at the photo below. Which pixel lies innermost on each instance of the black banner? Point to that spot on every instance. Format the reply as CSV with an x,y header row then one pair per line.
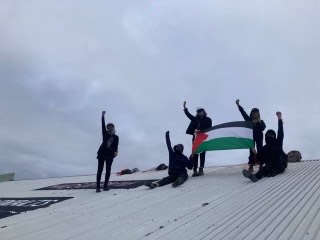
x,y
92,185
13,206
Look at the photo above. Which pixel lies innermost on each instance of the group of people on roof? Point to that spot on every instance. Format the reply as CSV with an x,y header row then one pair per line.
x,y
270,157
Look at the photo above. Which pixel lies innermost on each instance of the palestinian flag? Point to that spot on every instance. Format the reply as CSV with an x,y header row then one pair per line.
x,y
226,136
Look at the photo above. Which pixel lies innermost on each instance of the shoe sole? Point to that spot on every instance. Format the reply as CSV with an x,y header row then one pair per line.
x,y
246,173
249,175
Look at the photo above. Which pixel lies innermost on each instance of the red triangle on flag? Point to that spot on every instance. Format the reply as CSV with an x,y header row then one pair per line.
x,y
200,138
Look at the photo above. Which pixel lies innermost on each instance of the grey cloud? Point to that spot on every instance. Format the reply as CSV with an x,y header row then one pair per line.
x,y
62,63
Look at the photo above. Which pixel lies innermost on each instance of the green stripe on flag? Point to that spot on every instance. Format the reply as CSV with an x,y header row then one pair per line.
x,y
225,143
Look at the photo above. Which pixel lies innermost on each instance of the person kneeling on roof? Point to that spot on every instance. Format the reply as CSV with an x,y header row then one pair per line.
x,y
271,155
177,166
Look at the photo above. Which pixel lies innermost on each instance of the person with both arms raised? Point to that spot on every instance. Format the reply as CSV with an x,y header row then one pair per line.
x,y
177,166
271,156
107,152
198,123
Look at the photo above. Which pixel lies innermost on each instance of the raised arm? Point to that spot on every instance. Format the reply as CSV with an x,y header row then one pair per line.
x,y
116,144
280,128
168,142
189,163
245,116
185,109
104,130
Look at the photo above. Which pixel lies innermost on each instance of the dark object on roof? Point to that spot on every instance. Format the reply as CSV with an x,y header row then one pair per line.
x,y
124,171
294,156
135,170
13,206
162,167
92,185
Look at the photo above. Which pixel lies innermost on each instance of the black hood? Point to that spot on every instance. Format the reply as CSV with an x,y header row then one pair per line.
x,y
268,139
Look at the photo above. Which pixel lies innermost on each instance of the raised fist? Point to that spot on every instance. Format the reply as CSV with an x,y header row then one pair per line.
x,y
279,115
103,113
237,101
184,105
167,132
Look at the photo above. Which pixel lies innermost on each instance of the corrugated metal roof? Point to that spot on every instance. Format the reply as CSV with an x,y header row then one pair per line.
x,y
220,205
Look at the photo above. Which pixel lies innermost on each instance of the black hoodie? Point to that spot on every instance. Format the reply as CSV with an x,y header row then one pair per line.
x,y
272,153
258,128
197,122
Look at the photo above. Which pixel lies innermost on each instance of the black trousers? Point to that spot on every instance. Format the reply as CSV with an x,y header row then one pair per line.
x,y
172,178
196,157
202,160
109,161
258,142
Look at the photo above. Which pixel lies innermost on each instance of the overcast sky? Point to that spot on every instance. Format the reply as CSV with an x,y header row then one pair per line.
x,y
63,62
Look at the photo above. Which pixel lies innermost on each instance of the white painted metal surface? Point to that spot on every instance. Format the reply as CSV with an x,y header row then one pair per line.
x,y
220,205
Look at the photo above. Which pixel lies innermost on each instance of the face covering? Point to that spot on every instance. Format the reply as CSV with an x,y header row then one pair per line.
x,y
270,140
110,130
178,148
201,114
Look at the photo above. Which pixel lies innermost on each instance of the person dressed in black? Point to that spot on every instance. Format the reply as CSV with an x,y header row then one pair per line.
x,y
107,152
258,127
177,166
198,123
272,156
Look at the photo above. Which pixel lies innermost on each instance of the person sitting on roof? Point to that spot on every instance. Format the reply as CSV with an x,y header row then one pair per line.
x,y
271,155
177,166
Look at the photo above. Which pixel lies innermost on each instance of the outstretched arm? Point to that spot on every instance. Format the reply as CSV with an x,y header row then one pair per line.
x,y
280,128
243,112
189,162
185,109
104,130
168,142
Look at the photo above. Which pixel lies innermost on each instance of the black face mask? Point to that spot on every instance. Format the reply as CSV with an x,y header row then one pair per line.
x,y
201,114
270,140
111,130
178,149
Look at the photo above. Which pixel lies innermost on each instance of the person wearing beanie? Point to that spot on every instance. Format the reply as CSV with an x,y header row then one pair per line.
x,y
258,127
178,163
108,150
271,156
198,123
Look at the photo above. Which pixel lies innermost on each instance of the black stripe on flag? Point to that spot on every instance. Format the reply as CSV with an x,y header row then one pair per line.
x,y
244,124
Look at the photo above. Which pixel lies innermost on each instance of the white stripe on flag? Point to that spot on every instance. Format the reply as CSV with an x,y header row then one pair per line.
x,y
238,132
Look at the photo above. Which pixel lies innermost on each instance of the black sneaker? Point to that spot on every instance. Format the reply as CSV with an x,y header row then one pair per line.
x,y
195,173
106,188
98,190
201,173
150,185
249,175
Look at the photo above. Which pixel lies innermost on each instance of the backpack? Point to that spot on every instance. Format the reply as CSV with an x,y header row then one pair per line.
x,y
294,156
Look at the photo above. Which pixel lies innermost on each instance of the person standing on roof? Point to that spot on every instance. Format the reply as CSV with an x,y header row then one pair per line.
x,y
271,155
198,123
177,166
258,127
107,152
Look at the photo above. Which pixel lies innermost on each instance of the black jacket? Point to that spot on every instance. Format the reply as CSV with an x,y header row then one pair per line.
x,y
177,161
272,155
197,123
258,128
104,150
